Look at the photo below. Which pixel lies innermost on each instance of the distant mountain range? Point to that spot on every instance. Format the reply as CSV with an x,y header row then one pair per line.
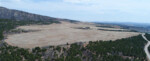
x,y
140,27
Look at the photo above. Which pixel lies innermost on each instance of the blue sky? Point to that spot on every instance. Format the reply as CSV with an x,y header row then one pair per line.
x,y
86,10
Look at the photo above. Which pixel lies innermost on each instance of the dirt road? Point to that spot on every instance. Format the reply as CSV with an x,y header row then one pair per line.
x,y
146,46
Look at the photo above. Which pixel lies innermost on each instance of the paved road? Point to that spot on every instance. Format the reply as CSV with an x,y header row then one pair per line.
x,y
146,46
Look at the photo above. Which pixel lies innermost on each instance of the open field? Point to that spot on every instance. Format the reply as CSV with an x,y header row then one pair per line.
x,y
58,34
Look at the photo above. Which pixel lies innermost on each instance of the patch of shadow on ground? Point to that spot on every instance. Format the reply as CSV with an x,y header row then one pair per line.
x,y
118,30
18,31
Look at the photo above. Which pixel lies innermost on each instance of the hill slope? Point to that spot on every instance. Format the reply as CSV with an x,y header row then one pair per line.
x,y
20,15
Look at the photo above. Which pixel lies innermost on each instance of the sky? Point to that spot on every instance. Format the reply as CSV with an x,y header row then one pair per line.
x,y
86,10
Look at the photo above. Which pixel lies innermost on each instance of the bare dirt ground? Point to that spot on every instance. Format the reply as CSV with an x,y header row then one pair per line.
x,y
58,34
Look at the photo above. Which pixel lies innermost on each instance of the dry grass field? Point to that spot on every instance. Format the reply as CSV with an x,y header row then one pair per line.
x,y
58,34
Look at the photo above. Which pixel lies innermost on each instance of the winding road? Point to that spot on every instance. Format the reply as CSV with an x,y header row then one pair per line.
x,y
146,46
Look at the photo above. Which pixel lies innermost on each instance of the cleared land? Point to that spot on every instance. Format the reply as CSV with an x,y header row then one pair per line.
x,y
58,34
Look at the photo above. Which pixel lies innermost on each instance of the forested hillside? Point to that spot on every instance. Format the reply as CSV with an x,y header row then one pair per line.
x,y
147,36
120,50
6,13
128,49
6,25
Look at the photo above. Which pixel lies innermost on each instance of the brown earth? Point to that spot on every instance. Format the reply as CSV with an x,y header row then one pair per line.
x,y
58,34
